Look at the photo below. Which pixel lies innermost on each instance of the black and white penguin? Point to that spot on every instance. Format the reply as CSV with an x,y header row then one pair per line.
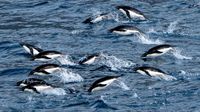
x,y
33,50
153,72
45,69
47,55
158,51
37,87
131,12
30,81
98,18
126,30
102,83
89,59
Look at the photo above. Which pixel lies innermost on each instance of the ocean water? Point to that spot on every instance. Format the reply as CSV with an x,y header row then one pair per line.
x,y
57,25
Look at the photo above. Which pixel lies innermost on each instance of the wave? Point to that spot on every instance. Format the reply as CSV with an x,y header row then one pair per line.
x,y
177,52
146,40
54,91
65,60
114,63
68,76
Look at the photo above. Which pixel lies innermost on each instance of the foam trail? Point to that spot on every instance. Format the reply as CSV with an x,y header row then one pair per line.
x,y
146,40
122,85
65,60
167,77
54,91
172,27
68,76
177,53
114,63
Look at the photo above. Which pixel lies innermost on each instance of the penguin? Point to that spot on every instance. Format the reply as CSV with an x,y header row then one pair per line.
x,y
29,81
89,59
102,83
126,30
131,12
37,87
157,51
47,55
96,19
45,69
32,50
153,72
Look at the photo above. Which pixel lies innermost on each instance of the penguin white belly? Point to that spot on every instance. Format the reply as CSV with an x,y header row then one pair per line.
x,y
52,56
27,49
136,15
155,73
51,70
42,87
90,61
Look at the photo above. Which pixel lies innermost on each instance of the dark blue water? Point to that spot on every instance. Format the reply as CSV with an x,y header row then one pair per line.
x,y
57,25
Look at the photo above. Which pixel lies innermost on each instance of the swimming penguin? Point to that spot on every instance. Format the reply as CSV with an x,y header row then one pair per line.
x,y
157,51
33,50
45,69
126,30
96,19
131,12
37,87
89,59
47,55
102,83
153,72
30,81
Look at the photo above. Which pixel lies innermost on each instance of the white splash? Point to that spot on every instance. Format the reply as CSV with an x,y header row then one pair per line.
x,y
114,63
122,85
54,91
69,76
146,40
167,77
65,60
172,26
177,53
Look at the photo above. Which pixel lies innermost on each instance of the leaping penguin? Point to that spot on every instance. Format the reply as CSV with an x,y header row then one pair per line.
x,y
45,69
89,59
126,30
96,19
131,12
47,55
153,72
102,83
33,50
157,51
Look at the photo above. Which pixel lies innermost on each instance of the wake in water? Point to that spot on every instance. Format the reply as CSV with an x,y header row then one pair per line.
x,y
172,27
177,52
114,63
54,91
146,40
68,76
121,84
65,60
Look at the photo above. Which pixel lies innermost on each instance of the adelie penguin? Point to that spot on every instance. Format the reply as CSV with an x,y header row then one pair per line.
x,y
131,12
47,55
45,69
153,72
102,83
126,30
30,81
98,18
157,51
89,59
33,50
